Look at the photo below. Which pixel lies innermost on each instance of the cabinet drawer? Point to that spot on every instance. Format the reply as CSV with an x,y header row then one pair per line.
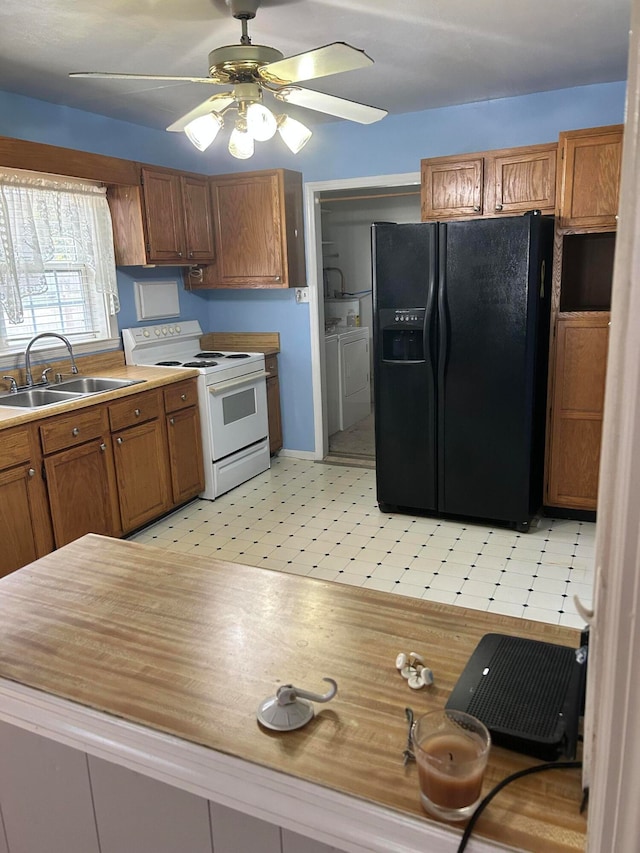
x,y
73,429
182,395
271,365
15,447
135,409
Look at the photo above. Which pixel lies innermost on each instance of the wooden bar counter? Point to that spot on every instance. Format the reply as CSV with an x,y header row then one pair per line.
x,y
157,661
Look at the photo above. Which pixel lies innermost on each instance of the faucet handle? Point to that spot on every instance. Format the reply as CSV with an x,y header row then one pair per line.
x,y
13,385
44,379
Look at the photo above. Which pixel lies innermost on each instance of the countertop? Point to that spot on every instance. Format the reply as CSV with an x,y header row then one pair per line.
x,y
191,646
154,377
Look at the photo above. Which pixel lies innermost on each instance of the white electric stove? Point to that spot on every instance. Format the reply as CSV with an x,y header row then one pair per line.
x,y
232,399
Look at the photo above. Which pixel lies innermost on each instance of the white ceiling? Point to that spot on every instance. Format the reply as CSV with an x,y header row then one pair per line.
x,y
427,53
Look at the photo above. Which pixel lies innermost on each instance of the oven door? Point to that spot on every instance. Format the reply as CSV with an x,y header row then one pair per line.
x,y
238,413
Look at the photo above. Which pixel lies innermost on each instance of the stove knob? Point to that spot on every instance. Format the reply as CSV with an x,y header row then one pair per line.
x,y
157,332
178,330
164,330
171,330
146,333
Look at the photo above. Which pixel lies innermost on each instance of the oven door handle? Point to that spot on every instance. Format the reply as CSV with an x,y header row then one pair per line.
x,y
236,383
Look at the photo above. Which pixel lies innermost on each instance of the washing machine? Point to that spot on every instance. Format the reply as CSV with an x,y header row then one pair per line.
x,y
348,376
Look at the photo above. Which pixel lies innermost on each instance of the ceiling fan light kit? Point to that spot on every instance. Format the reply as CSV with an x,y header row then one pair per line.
x,y
253,69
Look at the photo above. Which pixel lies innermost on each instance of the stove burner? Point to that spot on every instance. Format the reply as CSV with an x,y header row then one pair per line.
x,y
209,355
237,355
203,362
168,363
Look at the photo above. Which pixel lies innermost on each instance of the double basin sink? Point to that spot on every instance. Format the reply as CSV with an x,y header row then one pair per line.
x,y
61,392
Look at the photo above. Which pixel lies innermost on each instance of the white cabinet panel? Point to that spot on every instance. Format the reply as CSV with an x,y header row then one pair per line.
x,y
294,843
3,837
45,795
136,814
234,832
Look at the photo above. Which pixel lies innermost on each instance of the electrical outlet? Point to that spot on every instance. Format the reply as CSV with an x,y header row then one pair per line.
x,y
302,294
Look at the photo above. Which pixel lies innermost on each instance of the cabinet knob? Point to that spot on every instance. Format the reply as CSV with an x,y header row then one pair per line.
x,y
172,421
119,440
277,278
179,254
31,472
498,207
183,396
136,412
190,254
476,208
103,447
75,431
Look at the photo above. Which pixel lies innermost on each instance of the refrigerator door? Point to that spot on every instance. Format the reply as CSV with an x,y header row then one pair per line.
x,y
404,285
493,308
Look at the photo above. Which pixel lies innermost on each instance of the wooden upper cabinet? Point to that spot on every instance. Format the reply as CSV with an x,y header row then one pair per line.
x,y
452,187
258,231
589,178
493,183
198,221
167,219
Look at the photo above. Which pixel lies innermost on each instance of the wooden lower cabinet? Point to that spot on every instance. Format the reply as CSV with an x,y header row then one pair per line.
x,y
185,454
24,512
82,491
577,405
273,404
140,456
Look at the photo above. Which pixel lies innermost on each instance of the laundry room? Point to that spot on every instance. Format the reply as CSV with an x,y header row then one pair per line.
x,y
346,217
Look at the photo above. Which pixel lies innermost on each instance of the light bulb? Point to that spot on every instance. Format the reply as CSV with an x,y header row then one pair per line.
x,y
241,142
203,130
294,134
261,122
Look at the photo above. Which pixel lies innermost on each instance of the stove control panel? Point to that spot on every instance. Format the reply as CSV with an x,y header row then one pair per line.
x,y
146,334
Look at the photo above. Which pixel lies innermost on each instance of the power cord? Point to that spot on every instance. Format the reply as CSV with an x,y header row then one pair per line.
x,y
557,765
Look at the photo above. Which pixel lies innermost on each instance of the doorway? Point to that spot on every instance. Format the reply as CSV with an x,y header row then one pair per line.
x,y
339,217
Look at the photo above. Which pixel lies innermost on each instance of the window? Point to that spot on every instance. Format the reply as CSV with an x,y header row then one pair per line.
x,y
57,266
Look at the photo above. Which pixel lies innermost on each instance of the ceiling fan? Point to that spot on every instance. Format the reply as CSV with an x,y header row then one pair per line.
x,y
250,70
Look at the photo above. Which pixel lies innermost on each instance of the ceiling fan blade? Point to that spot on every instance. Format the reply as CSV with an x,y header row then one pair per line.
x,y
100,74
330,104
321,62
214,104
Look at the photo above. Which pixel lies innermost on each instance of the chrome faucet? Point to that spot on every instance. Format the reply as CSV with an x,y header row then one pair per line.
x,y
27,355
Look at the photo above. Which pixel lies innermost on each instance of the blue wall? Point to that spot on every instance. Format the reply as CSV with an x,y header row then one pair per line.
x,y
337,150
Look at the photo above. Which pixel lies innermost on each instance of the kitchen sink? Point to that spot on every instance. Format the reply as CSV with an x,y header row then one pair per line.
x,y
33,398
93,384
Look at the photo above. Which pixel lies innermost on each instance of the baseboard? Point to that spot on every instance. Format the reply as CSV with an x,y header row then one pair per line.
x,y
298,454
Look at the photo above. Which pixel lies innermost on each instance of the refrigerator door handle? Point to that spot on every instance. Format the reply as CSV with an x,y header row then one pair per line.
x,y
443,316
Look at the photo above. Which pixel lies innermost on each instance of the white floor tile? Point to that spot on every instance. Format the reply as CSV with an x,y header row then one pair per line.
x,y
323,521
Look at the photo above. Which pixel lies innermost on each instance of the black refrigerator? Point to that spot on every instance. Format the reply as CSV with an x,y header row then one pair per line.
x,y
461,329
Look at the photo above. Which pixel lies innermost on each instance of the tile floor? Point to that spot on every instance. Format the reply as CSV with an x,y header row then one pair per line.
x,y
323,521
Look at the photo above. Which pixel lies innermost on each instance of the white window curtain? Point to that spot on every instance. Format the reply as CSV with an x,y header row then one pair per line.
x,y
47,219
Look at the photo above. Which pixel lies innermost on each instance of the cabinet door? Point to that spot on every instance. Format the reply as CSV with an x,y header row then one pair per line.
x,y
16,519
185,454
521,180
590,178
164,218
577,408
249,239
452,187
82,492
197,219
142,475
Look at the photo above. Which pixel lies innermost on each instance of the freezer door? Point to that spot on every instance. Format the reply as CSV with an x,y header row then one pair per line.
x,y
404,283
493,323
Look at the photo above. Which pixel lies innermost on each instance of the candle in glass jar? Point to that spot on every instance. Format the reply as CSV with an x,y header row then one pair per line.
x,y
451,749
450,773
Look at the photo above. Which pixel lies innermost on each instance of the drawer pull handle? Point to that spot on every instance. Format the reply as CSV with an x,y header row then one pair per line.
x,y
75,431
498,207
183,396
31,472
172,421
103,447
476,208
119,440
136,412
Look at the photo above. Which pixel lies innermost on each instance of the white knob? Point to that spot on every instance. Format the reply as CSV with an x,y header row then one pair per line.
x,y
146,333
178,329
157,332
